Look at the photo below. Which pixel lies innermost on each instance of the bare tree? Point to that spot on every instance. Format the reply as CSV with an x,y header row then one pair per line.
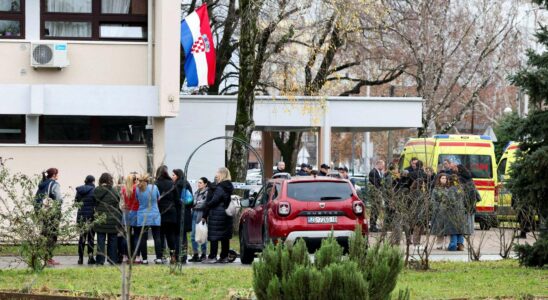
x,y
328,47
257,42
454,50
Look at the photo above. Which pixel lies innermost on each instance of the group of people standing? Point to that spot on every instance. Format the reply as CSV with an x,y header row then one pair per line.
x,y
121,216
444,201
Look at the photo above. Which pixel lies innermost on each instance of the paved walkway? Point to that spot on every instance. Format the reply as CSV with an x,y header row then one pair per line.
x,y
489,251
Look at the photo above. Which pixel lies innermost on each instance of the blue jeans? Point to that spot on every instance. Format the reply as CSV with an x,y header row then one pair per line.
x,y
193,235
455,239
112,243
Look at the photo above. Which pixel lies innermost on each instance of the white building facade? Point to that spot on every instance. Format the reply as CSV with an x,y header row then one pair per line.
x,y
82,81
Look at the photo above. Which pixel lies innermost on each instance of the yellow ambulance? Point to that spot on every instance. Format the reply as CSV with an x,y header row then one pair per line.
x,y
475,152
503,201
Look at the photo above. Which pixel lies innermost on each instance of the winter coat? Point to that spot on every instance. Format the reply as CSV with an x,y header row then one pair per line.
x,y
188,208
169,200
219,224
108,207
301,173
131,206
376,178
148,213
471,194
448,215
48,188
200,200
470,197
86,202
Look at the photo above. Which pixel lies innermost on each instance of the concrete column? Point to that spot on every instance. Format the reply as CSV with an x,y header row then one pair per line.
x,y
268,151
32,130
325,144
167,35
159,147
324,136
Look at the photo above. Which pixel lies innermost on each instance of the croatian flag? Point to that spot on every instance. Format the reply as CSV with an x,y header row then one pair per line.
x,y
199,49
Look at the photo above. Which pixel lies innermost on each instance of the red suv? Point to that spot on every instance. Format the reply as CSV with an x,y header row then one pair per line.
x,y
310,208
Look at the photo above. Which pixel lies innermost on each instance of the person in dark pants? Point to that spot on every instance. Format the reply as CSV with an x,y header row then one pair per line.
x,y
148,218
177,178
84,218
49,189
109,212
376,179
168,204
219,224
200,200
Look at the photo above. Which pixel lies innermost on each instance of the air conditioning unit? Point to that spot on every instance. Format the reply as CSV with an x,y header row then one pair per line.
x,y
48,55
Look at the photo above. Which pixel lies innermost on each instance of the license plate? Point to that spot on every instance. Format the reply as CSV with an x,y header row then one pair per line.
x,y
322,220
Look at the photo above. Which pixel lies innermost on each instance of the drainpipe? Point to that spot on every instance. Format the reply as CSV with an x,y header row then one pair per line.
x,y
149,127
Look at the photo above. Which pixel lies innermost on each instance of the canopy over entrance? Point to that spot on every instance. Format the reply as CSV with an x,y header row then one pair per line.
x,y
205,117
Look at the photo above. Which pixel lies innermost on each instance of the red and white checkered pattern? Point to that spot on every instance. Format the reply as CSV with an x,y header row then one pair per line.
x,y
198,46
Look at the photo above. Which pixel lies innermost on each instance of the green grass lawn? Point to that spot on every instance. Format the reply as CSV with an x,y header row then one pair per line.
x,y
445,280
475,280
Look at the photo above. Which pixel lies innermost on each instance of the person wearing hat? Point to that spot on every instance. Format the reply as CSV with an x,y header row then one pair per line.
x,y
324,169
304,170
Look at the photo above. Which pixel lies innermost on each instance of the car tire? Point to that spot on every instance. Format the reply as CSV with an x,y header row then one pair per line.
x,y
247,256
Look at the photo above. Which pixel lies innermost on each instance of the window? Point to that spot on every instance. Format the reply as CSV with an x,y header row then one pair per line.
x,y
94,19
12,19
92,130
319,191
479,165
12,129
501,170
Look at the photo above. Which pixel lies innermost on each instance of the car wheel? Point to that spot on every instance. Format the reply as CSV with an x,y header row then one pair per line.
x,y
246,254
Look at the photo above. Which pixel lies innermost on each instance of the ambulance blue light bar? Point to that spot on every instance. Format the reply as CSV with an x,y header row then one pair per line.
x,y
441,136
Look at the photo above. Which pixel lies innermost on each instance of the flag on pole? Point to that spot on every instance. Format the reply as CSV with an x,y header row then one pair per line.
x,y
199,49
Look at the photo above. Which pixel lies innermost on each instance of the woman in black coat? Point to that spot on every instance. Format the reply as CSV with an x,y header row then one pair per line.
x,y
177,177
86,208
108,207
168,203
219,224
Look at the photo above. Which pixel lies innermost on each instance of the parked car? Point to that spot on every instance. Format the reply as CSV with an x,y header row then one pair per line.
x,y
311,208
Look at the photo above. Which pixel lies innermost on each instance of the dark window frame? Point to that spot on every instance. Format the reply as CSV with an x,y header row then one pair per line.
x,y
96,18
15,16
23,128
95,134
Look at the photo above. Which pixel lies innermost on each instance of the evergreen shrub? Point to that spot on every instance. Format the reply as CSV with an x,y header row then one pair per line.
x,y
287,272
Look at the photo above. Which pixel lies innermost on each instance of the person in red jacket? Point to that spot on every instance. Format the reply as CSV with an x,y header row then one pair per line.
x,y
131,206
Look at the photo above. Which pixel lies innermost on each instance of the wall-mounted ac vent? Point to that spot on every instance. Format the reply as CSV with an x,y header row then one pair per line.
x,y
48,55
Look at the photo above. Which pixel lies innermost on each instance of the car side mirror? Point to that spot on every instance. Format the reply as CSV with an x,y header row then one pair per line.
x,y
246,194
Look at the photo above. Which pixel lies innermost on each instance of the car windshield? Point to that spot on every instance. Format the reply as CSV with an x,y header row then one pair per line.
x,y
479,165
319,191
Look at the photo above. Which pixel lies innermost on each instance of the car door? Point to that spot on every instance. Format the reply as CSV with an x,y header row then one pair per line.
x,y
255,225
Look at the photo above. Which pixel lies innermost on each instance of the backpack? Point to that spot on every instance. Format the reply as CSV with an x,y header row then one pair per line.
x,y
43,195
186,197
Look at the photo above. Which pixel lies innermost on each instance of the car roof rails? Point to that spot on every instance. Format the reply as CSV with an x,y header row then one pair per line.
x,y
281,175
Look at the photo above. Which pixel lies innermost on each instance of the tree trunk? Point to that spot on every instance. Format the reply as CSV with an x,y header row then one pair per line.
x,y
244,124
288,149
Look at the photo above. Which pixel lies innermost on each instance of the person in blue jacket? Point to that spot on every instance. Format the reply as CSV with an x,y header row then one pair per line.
x,y
148,217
